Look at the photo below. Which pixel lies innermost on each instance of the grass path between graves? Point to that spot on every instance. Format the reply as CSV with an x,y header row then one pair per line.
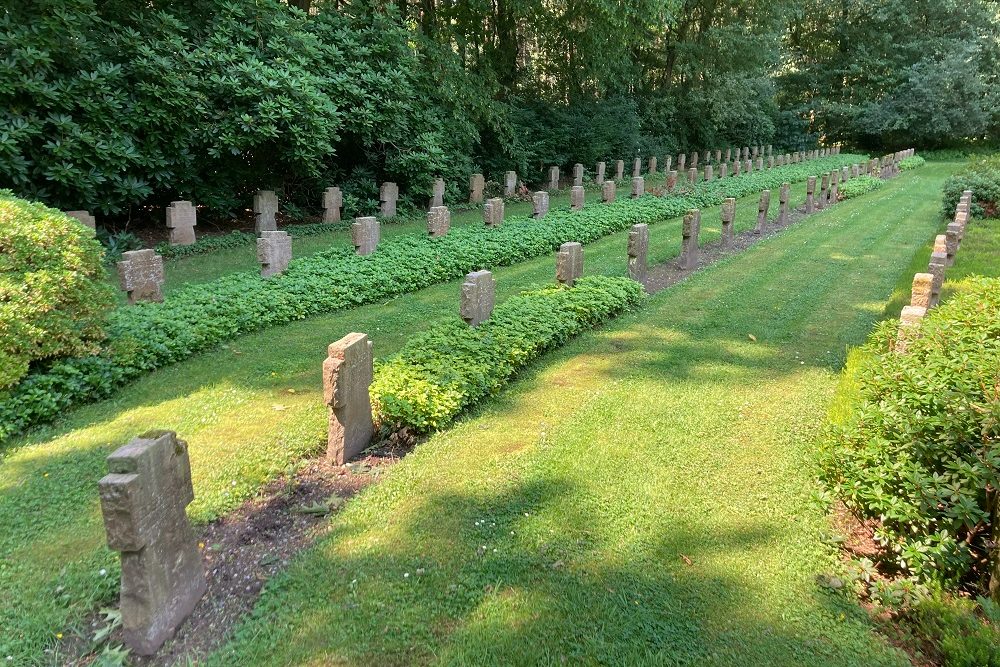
x,y
641,497
250,411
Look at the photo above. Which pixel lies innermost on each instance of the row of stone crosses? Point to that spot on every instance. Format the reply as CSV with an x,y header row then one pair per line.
x,y
144,496
925,292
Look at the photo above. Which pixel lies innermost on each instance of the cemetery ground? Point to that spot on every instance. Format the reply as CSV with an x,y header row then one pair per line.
x,y
666,472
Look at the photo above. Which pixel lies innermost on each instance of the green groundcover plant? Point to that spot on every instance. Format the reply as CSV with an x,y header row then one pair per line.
x,y
238,239
919,451
197,317
53,295
912,162
982,176
452,365
861,185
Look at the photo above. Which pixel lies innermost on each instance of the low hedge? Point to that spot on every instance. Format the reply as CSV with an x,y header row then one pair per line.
x,y
861,185
912,162
982,176
920,443
197,317
443,370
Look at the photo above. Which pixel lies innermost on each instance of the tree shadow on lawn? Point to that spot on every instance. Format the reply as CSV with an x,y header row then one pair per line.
x,y
555,584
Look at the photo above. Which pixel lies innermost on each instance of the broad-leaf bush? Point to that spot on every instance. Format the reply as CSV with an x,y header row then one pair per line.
x,y
861,185
53,292
912,162
450,366
921,445
982,176
197,317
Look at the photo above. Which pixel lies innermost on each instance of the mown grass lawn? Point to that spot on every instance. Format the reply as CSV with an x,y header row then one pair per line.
x,y
641,497
250,411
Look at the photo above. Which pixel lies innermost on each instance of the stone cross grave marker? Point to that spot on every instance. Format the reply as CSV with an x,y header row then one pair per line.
x,y
388,195
608,191
577,197
569,263
265,208
140,275
638,251
143,500
619,169
84,217
438,221
709,175
937,265
365,234
577,174
728,216
909,323
953,240
748,166
599,176
638,187
729,154
689,239
553,178
181,220
347,375
668,163
824,192
477,298
681,162
723,170
636,167
274,252
493,212
333,200
437,193
693,175
784,195
652,165
834,186
737,167
762,208
694,159
671,180
810,194
540,204
718,156
922,290
477,184
509,184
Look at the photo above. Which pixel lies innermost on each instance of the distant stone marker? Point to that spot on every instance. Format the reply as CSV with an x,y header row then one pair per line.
x,y
810,194
689,239
438,221
437,193
638,251
728,215
729,154
671,180
652,165
577,198
681,162
824,192
599,177
723,170
709,175
569,263
737,167
636,167
388,195
667,163
509,183
694,159
553,178
333,200
265,208
181,220
577,174
693,175
638,187
762,208
477,185
274,252
477,298
347,375
540,204
619,169
143,500
493,212
834,186
952,240
140,275
608,189
937,265
748,166
718,156
365,234
84,217
783,196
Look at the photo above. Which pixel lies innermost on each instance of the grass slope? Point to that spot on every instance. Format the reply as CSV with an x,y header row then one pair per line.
x,y
643,498
236,409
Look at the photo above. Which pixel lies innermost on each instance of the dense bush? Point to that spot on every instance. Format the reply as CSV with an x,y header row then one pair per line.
x,y
53,292
861,185
921,445
982,176
450,366
197,317
912,162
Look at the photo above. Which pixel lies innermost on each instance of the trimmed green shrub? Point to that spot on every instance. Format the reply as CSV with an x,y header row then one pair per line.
x,y
861,185
920,445
982,176
53,292
912,162
445,369
197,317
